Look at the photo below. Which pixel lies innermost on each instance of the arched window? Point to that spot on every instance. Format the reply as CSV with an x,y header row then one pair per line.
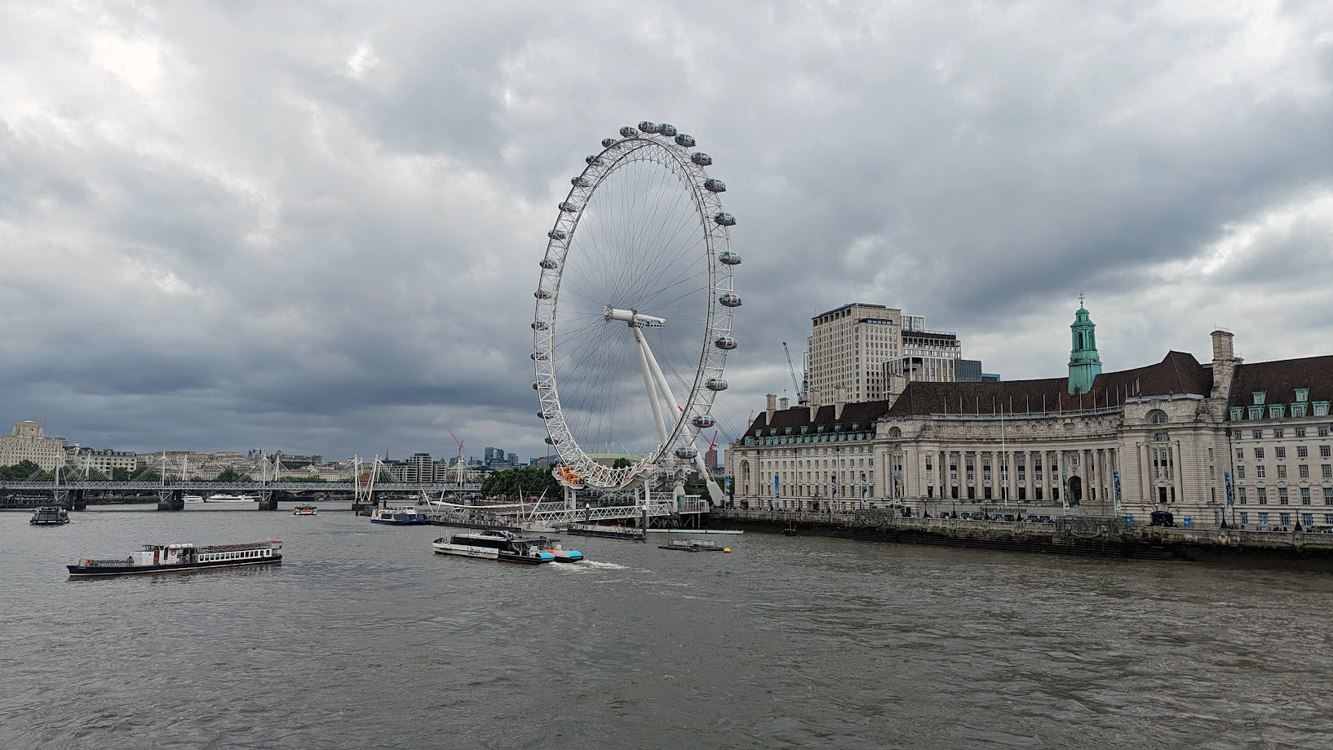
x,y
1157,416
894,432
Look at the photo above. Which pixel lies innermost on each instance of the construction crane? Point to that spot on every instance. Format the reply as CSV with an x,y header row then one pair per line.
x,y
800,395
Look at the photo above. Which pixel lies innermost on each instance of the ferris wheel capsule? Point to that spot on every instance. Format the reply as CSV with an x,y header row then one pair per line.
x,y
725,343
648,126
541,294
550,264
609,142
715,186
539,325
593,159
702,159
716,384
730,299
579,181
685,140
538,356
628,132
666,130
687,452
728,258
702,421
724,219
556,234
568,207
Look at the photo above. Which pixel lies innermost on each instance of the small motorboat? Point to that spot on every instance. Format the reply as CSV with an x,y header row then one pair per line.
x,y
305,510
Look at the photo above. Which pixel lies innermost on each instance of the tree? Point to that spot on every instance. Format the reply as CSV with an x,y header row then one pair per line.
x,y
526,480
622,463
231,475
22,471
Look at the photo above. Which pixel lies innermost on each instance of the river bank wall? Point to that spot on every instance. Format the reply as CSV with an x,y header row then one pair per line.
x,y
1067,535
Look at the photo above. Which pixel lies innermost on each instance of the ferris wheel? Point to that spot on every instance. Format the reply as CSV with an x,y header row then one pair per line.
x,y
634,308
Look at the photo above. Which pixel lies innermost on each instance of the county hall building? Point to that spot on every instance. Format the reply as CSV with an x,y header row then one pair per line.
x,y
1215,440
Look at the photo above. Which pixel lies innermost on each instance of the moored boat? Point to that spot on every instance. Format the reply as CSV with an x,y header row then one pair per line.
x,y
194,498
223,497
49,515
404,516
169,558
501,546
607,532
305,510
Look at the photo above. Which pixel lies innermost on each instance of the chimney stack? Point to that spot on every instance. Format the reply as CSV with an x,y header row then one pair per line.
x,y
783,402
839,401
772,406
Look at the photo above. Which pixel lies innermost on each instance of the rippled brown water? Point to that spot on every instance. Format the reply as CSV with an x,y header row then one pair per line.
x,y
364,638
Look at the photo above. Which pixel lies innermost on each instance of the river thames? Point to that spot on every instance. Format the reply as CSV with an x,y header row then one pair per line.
x,y
364,638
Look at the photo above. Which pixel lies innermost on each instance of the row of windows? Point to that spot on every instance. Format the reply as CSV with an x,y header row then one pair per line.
x,y
1302,471
1279,433
1302,451
1279,411
1262,495
1284,519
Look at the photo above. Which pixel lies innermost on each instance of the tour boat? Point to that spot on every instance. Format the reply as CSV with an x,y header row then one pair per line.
x,y
169,558
502,546
305,510
194,498
49,516
404,516
224,498
557,550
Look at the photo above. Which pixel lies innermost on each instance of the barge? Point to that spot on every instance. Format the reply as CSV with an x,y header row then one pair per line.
x,y
607,532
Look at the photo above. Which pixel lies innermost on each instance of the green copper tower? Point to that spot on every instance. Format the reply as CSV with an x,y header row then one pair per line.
x,y
1084,364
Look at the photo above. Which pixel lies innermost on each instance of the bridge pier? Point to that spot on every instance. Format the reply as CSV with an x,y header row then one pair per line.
x,y
171,500
76,501
268,501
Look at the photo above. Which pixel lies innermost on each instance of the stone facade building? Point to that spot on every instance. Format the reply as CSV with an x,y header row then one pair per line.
x,y
30,443
1209,441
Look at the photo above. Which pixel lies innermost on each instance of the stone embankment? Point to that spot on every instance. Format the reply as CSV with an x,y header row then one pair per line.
x,y
1066,535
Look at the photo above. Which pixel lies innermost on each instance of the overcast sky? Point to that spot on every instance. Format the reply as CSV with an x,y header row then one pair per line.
x,y
316,226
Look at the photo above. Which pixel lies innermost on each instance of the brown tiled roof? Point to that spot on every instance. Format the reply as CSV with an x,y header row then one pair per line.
x,y
1178,372
862,414
1279,380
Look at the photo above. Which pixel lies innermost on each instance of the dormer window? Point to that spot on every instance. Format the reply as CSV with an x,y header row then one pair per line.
x,y
1302,395
1237,413
1321,408
805,429
1256,412
1259,398
1275,411
1297,410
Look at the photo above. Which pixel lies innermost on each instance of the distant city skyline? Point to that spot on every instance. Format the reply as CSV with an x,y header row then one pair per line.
x,y
227,227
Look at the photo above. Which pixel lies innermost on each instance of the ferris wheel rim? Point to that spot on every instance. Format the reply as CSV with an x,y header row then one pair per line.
x,y
696,405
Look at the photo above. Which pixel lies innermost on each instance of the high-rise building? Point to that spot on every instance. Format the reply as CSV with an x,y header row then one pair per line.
x,y
859,351
847,349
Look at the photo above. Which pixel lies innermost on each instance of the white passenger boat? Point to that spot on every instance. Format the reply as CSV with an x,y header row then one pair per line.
x,y
407,515
225,498
502,546
194,498
168,558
